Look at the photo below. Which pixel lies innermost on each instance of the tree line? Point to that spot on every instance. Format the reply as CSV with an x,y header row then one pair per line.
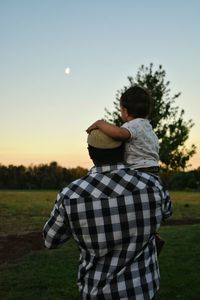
x,y
54,177
182,180
43,176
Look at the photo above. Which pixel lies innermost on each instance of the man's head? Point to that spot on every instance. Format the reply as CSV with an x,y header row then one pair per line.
x,y
137,102
103,149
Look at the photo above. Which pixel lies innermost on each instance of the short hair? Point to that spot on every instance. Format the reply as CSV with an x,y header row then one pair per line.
x,y
106,156
137,101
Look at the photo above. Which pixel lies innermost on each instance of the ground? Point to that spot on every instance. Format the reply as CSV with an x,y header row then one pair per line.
x,y
16,246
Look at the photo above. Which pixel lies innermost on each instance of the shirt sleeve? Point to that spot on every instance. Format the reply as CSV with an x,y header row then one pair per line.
x,y
131,129
167,209
56,231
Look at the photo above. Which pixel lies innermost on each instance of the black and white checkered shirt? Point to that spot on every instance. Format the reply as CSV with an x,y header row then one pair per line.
x,y
112,214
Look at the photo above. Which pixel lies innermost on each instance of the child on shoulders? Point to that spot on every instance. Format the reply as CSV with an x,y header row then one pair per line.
x,y
141,142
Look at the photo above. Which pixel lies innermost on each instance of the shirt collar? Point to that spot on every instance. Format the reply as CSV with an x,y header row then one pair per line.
x,y
107,168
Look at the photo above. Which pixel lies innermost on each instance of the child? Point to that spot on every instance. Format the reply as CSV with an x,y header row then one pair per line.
x,y
142,145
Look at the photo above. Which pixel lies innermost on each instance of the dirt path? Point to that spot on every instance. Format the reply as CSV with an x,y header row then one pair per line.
x,y
16,246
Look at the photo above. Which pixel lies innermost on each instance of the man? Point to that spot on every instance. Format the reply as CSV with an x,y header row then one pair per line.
x,y
112,214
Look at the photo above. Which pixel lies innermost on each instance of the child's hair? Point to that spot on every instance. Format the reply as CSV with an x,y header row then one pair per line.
x,y
137,101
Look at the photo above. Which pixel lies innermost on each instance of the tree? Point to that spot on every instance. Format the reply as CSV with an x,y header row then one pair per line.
x,y
166,119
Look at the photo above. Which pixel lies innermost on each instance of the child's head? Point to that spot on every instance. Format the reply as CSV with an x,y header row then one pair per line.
x,y
137,102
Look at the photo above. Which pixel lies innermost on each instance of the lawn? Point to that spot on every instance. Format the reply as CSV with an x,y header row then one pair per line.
x,y
22,211
28,210
186,205
51,274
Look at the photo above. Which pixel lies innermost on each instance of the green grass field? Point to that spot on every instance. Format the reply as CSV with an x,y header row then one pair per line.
x,y
27,211
51,274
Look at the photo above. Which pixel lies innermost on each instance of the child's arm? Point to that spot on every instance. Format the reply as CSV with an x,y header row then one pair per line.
x,y
111,130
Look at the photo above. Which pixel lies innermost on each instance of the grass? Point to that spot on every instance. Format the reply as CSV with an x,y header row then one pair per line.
x,y
51,274
46,274
186,205
180,263
28,210
24,210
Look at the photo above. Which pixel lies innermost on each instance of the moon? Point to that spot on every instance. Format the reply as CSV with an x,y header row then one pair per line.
x,y
67,71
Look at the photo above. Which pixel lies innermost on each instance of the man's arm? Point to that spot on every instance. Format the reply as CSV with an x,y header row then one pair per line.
x,y
56,231
111,130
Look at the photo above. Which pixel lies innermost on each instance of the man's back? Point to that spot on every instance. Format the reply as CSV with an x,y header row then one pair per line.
x,y
112,213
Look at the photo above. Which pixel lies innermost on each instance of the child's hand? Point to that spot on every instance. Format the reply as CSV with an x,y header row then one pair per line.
x,y
115,132
93,126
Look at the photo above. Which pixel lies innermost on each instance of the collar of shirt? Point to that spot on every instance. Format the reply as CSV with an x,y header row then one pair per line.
x,y
107,168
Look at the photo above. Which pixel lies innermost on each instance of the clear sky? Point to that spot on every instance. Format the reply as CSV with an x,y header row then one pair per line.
x,y
44,112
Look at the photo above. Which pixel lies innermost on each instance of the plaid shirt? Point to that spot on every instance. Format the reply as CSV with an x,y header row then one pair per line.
x,y
112,214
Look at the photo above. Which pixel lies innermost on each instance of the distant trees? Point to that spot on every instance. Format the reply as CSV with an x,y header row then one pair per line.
x,y
182,180
54,177
166,118
43,176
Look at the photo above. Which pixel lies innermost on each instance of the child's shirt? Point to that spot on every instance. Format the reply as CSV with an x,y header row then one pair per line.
x,y
142,149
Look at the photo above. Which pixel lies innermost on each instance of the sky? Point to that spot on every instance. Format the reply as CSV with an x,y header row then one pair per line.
x,y
44,112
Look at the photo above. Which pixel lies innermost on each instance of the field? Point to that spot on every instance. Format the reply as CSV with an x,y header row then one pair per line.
x,y
51,275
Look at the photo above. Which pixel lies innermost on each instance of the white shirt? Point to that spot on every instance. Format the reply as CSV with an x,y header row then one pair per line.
x,y
142,149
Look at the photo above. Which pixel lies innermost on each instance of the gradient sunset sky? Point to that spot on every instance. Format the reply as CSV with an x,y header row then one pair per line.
x,y
44,112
